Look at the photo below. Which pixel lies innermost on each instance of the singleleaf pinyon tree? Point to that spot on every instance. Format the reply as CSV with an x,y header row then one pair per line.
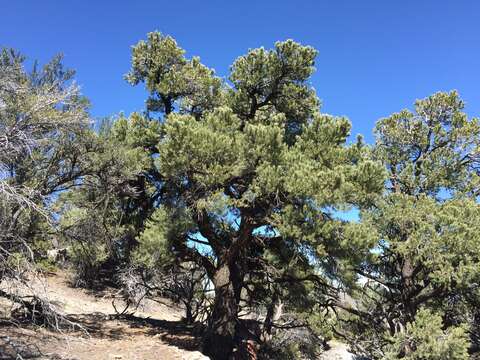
x,y
424,234
251,172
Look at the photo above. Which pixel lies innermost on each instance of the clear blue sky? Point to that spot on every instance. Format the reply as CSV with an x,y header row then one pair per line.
x,y
375,57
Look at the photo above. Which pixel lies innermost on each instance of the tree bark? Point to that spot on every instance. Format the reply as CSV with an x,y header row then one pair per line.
x,y
220,339
188,313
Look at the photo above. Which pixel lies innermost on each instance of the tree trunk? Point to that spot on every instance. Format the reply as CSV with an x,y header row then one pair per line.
x,y
220,339
188,313
274,312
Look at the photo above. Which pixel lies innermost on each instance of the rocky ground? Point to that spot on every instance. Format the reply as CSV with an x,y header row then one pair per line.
x,y
155,332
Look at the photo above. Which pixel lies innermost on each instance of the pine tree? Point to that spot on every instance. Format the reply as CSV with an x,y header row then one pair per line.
x,y
251,174
425,251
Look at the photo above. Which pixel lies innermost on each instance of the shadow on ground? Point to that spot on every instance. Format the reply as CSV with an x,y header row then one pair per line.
x,y
16,344
175,333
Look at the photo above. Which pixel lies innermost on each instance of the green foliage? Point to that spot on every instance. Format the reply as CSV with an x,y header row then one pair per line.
x,y
423,232
87,258
275,79
172,79
44,145
439,239
46,265
115,193
157,241
432,149
426,339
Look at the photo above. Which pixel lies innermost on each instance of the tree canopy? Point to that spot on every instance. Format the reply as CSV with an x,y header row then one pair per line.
x,y
424,229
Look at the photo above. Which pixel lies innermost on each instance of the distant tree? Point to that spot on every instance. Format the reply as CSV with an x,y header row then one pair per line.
x,y
251,174
424,259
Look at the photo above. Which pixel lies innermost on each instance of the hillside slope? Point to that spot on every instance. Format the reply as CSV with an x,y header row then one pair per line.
x,y
154,333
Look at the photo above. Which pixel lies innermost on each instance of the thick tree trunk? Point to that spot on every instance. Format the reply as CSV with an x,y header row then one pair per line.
x,y
220,339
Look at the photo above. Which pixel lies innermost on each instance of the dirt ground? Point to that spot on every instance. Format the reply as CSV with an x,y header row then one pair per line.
x,y
338,351
155,332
